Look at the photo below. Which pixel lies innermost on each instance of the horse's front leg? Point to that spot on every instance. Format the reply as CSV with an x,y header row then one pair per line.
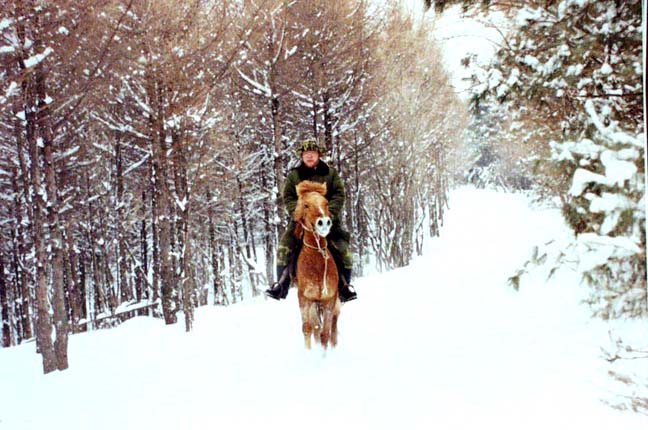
x,y
307,327
329,323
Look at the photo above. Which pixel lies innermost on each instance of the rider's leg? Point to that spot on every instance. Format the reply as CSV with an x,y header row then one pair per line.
x,y
344,263
279,290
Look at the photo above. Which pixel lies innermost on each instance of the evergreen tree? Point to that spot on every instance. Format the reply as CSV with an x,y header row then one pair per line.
x,y
570,76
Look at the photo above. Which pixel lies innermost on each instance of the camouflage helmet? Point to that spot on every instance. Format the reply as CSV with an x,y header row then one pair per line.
x,y
310,145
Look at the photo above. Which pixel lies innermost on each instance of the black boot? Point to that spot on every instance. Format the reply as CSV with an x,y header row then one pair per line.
x,y
279,290
347,292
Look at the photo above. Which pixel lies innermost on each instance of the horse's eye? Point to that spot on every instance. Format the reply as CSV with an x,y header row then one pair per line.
x,y
305,206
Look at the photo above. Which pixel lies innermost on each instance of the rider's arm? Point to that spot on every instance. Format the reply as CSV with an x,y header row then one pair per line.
x,y
336,196
290,193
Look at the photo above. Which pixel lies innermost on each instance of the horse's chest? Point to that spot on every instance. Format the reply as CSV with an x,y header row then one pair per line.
x,y
313,271
311,265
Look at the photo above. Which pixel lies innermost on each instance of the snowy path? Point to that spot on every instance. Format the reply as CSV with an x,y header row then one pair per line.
x,y
442,344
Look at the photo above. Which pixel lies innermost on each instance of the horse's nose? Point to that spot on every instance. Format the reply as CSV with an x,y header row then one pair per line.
x,y
323,225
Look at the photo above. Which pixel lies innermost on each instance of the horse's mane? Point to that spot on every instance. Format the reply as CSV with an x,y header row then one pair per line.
x,y
304,188
310,187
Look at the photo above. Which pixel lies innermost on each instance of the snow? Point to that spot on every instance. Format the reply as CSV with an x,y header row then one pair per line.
x,y
582,177
182,204
531,61
12,90
69,152
609,202
5,23
262,89
133,306
460,37
606,69
617,171
290,52
575,70
35,59
526,14
443,343
596,250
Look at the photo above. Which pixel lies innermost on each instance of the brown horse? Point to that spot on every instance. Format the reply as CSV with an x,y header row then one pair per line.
x,y
317,274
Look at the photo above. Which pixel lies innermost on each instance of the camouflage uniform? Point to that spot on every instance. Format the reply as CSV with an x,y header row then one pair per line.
x,y
334,194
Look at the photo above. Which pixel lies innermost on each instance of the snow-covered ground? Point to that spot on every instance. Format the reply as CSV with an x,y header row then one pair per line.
x,y
444,343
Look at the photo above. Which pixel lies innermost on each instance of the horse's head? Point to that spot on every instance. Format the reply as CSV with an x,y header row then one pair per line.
x,y
312,208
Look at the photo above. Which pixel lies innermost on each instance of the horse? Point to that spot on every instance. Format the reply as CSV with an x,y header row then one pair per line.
x,y
317,274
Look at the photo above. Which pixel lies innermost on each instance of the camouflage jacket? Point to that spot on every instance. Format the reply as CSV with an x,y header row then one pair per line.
x,y
321,173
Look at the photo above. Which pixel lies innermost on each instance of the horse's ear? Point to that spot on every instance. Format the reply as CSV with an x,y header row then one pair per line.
x,y
323,190
310,187
299,211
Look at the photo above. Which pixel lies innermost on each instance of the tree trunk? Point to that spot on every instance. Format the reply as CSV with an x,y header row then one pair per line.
x,y
163,220
98,298
23,303
74,290
216,256
18,301
4,305
188,284
184,250
234,265
99,302
43,321
125,293
155,246
166,265
328,128
141,291
56,246
277,143
269,235
82,295
246,237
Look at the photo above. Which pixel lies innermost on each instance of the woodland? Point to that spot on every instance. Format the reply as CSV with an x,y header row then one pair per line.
x,y
144,145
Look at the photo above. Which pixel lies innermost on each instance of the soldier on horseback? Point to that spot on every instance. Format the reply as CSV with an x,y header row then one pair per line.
x,y
312,168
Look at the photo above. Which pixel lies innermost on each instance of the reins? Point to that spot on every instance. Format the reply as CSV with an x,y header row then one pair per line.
x,y
323,252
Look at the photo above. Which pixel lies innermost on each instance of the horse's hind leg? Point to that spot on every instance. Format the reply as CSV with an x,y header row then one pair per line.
x,y
336,314
334,331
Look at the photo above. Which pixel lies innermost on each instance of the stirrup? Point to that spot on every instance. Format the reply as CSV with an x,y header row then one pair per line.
x,y
350,293
274,292
278,291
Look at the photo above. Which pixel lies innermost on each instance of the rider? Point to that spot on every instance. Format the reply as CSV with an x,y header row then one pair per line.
x,y
312,168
